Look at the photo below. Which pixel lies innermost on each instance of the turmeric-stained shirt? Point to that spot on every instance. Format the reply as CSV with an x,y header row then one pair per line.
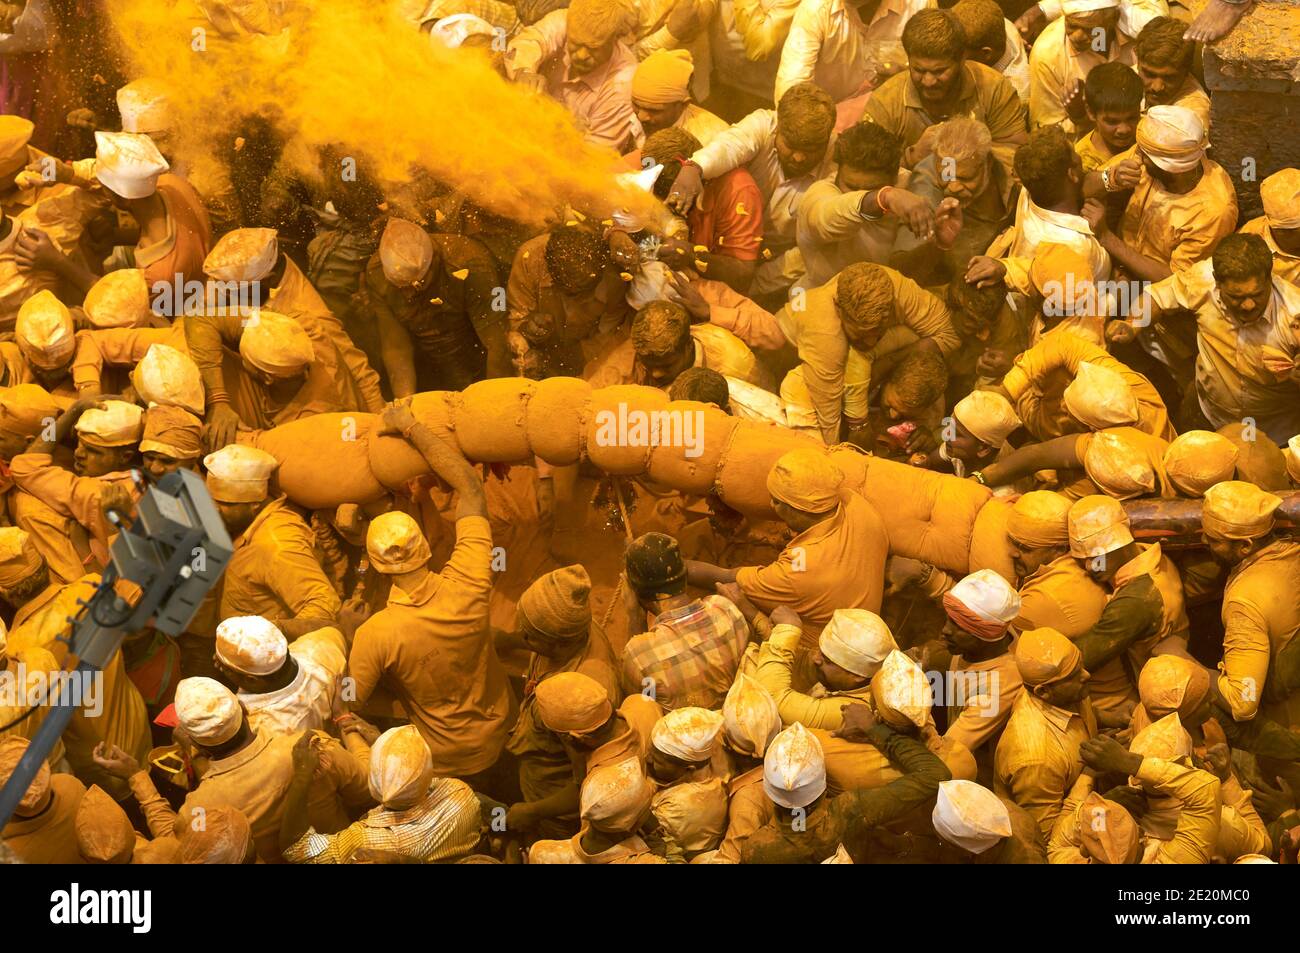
x,y
1179,229
311,697
1038,378
599,101
1285,265
837,564
984,94
35,665
1232,381
119,347
813,326
295,297
1035,225
213,342
178,258
748,810
116,714
808,703
70,495
1037,759
1199,812
1261,615
727,219
1055,65
833,233
61,541
432,648
751,143
982,695
256,779
689,655
531,290
274,572
543,763
1061,595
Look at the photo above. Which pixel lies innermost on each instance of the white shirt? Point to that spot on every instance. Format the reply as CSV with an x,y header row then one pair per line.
x,y
1014,64
830,45
1035,225
307,701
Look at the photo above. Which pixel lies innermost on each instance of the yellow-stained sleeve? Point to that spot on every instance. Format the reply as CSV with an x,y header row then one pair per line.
x,y
1064,845
1241,828
1197,793
1036,776
1246,654
467,576
774,672
925,314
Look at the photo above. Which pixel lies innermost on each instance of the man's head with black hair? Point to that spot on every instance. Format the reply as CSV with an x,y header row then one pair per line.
x,y
670,148
868,157
576,259
1112,94
702,384
985,26
1243,276
1164,60
805,119
1050,170
935,43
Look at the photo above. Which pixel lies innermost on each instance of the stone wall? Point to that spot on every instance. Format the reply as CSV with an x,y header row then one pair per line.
x,y
1253,76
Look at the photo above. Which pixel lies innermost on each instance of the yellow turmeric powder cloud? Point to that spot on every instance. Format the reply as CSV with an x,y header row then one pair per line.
x,y
357,79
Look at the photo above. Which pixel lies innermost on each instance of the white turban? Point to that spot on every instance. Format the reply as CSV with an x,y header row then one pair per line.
x,y
750,717
1100,397
988,595
1172,137
401,767
857,641
970,816
688,734
988,416
794,768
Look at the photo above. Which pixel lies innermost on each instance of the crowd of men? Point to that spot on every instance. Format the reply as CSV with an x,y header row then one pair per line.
x,y
979,240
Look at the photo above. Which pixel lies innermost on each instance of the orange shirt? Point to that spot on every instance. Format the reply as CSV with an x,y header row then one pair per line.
x,y
728,218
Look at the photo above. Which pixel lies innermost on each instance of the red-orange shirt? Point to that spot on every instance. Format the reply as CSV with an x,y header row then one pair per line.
x,y
728,219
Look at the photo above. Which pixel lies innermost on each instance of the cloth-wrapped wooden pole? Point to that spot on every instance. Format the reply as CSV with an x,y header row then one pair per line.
x,y
634,431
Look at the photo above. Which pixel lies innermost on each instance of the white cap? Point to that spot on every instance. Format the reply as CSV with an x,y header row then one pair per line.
x,y
1087,6
119,424
238,473
243,254
794,768
251,644
454,30
1098,525
615,797
207,710
970,816
405,252
128,164
903,694
44,331
856,640
1166,739
750,717
985,593
988,416
688,734
144,106
1100,397
401,767
169,377
120,299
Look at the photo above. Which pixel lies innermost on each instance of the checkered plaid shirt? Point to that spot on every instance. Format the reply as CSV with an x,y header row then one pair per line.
x,y
691,653
445,825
